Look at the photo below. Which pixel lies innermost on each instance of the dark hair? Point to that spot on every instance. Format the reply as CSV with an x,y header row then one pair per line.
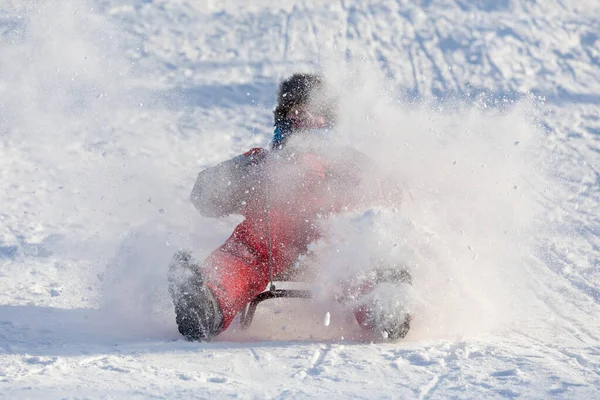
x,y
297,89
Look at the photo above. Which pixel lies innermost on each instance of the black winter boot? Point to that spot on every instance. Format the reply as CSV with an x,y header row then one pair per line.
x,y
197,311
388,325
382,316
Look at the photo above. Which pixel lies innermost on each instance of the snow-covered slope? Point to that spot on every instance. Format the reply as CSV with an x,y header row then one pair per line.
x,y
487,110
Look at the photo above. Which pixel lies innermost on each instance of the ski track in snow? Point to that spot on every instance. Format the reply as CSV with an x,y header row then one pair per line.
x,y
108,115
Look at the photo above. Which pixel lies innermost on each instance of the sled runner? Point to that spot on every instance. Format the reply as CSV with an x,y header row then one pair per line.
x,y
298,275
247,314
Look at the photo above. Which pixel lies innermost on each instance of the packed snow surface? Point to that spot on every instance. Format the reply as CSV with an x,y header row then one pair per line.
x,y
486,112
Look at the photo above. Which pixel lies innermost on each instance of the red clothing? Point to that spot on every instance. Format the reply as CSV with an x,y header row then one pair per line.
x,y
280,193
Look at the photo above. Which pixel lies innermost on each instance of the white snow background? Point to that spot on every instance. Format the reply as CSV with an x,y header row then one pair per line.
x,y
486,111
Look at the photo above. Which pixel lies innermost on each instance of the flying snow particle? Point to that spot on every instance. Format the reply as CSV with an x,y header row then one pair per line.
x,y
327,319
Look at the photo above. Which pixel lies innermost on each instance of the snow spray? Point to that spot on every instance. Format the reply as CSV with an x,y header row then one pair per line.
x,y
469,210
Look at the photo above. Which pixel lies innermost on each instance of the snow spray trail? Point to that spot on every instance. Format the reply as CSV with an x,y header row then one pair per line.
x,y
469,213
66,87
80,137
